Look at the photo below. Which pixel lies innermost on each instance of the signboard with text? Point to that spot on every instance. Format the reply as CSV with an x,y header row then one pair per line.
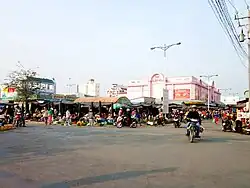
x,y
7,93
181,94
165,102
157,78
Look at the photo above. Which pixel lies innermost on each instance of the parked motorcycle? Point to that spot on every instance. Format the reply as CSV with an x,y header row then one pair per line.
x,y
193,128
159,121
2,120
227,125
134,123
120,121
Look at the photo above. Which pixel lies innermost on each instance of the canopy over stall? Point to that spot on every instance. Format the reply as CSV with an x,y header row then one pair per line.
x,y
117,101
194,102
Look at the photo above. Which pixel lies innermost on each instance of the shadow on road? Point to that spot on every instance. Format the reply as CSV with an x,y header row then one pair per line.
x,y
106,177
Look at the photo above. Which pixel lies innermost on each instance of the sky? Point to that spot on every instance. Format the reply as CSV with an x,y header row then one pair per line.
x,y
110,41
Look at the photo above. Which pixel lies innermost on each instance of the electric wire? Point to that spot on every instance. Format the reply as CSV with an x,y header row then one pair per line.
x,y
221,14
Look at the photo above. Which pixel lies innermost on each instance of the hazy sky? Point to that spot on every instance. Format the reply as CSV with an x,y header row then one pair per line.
x,y
109,40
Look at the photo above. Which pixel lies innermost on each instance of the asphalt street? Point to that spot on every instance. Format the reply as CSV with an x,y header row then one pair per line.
x,y
162,157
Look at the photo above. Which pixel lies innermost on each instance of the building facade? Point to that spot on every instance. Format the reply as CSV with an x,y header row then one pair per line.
x,y
230,100
117,91
90,89
47,87
179,88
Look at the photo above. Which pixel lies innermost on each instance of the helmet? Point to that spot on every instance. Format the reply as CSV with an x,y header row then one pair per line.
x,y
193,106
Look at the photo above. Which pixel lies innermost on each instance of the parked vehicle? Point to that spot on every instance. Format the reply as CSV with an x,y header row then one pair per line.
x,y
227,125
134,123
2,120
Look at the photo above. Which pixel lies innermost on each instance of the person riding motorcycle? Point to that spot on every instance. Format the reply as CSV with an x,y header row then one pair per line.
x,y
194,114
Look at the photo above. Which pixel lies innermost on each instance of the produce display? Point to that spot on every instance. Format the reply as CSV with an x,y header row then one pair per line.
x,y
6,127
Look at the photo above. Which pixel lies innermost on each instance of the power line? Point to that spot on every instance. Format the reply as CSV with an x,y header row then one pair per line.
x,y
232,4
220,11
231,25
246,4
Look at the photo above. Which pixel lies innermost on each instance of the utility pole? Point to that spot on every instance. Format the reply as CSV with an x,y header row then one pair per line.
x,y
242,39
208,87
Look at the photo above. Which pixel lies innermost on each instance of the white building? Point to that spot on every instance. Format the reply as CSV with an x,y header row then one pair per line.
x,y
90,89
230,100
117,91
182,88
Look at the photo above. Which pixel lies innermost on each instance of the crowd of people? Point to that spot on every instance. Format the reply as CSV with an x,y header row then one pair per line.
x,y
126,116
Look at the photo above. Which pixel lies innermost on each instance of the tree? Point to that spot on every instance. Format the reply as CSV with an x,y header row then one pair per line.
x,y
24,83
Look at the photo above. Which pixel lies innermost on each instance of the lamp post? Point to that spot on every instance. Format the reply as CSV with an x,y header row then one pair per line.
x,y
165,47
208,86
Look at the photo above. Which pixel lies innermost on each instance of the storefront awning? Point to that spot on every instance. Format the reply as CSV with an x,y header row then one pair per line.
x,y
194,102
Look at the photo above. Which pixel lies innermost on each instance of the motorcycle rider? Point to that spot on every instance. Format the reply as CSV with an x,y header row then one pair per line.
x,y
194,114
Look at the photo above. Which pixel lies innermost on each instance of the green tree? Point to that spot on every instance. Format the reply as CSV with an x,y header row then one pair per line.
x,y
24,83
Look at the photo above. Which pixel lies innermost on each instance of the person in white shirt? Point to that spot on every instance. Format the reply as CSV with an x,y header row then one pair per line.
x,y
68,118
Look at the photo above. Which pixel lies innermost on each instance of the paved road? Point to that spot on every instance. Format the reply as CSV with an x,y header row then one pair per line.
x,y
65,157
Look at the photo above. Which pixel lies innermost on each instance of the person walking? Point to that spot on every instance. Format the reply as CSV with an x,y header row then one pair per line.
x,y
68,118
50,116
45,116
91,117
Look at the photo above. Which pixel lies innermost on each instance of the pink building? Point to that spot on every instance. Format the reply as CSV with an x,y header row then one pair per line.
x,y
179,88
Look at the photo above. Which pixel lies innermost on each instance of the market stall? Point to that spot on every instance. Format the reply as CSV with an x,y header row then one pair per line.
x,y
102,104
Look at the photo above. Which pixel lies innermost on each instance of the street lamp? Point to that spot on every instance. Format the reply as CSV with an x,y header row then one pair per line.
x,y
208,87
165,47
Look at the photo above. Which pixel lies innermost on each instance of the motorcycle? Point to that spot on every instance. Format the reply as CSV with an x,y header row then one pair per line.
x,y
2,120
227,125
159,121
134,123
177,122
193,129
18,118
120,122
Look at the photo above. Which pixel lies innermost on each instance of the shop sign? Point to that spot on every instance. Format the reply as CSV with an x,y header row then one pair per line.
x,y
242,115
181,94
58,96
66,97
7,93
157,78
70,97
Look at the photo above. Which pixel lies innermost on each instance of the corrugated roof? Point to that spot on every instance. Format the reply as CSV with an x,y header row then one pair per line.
x,y
97,99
